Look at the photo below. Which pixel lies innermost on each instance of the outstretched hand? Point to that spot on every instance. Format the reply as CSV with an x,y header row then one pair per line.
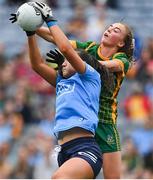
x,y
56,58
13,18
45,11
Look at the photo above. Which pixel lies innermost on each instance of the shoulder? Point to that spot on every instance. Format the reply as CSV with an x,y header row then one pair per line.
x,y
122,57
90,73
82,45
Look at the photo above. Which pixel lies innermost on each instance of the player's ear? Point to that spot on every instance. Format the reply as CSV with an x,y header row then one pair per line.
x,y
121,44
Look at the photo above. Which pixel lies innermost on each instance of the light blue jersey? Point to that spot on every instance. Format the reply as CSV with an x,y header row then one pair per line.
x,y
77,101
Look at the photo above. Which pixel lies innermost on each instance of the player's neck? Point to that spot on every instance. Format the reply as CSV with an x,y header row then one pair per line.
x,y
107,51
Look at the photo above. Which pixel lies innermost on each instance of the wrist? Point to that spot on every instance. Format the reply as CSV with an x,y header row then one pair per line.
x,y
51,23
30,33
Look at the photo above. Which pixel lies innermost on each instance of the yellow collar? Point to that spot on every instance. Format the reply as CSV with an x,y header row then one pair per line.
x,y
101,56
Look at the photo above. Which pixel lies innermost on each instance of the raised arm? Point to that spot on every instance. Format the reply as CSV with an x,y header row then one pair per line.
x,y
44,33
60,39
38,64
113,65
66,49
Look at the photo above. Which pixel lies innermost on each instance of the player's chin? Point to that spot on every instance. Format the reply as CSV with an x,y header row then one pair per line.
x,y
65,74
104,41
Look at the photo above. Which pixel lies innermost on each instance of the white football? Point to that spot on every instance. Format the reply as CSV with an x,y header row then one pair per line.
x,y
28,17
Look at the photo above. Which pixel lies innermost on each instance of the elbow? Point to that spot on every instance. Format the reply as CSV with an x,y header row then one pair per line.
x,y
34,68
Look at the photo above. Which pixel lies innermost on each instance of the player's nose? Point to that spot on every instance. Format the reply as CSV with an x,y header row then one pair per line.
x,y
64,63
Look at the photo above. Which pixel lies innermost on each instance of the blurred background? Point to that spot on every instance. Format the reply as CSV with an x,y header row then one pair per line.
x,y
27,102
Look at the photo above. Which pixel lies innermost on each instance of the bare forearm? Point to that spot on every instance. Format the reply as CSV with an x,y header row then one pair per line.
x,y
113,65
34,53
44,33
66,48
38,64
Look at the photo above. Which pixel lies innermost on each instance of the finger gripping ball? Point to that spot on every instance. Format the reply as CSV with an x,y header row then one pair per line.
x,y
28,17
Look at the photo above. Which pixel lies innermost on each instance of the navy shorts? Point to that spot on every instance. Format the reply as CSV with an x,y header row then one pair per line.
x,y
85,148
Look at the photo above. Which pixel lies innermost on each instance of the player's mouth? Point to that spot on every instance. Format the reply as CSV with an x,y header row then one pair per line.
x,y
63,69
105,35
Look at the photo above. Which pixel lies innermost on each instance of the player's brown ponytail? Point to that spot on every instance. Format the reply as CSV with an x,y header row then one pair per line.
x,y
106,76
128,48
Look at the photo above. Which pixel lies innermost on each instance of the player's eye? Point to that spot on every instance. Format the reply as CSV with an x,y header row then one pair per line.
x,y
116,30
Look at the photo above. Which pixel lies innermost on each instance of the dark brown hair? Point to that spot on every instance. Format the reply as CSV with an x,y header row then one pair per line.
x,y
128,48
106,76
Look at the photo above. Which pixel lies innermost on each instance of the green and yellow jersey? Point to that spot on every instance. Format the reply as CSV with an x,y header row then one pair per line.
x,y
108,98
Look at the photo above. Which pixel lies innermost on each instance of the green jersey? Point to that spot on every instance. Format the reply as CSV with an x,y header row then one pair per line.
x,y
108,99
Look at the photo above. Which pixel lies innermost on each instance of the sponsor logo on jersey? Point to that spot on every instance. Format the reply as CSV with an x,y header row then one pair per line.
x,y
62,88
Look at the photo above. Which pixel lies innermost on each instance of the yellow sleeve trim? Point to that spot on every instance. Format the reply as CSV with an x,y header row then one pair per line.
x,y
92,44
73,43
121,64
117,54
